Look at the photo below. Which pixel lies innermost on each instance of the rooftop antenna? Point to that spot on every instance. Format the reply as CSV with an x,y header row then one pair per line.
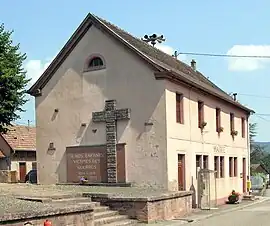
x,y
153,39
175,54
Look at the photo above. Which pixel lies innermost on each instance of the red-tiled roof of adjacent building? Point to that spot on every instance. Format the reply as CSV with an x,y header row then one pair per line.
x,y
21,138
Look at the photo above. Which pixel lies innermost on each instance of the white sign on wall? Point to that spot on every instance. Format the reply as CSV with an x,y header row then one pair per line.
x,y
219,149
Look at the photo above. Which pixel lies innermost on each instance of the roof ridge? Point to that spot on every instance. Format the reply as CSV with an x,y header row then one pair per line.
x,y
161,52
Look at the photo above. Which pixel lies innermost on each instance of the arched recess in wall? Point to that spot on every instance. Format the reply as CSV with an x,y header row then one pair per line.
x,y
94,62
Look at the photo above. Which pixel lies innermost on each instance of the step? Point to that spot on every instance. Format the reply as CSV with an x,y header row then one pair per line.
x,y
104,214
98,209
107,220
122,223
72,200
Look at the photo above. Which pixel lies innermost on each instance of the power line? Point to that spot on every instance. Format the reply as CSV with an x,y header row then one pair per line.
x,y
262,114
262,118
220,55
252,95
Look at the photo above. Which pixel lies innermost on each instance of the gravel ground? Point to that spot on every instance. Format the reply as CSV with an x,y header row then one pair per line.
x,y
9,192
10,204
51,190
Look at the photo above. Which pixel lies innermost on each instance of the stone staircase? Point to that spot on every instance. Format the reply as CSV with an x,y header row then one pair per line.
x,y
102,214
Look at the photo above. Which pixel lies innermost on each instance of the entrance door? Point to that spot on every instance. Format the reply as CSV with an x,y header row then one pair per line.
x,y
22,169
244,175
181,172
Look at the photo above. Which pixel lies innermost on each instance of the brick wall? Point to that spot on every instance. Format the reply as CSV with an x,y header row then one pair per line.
x,y
71,219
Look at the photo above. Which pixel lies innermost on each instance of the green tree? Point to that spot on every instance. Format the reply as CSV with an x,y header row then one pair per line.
x,y
256,151
13,80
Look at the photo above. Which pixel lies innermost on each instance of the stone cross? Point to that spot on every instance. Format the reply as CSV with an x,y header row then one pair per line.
x,y
110,115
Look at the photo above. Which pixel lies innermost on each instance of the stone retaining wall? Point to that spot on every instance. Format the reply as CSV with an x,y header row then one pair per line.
x,y
148,210
8,176
71,217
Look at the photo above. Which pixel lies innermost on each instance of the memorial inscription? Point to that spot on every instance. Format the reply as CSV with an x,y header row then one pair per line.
x,y
89,165
91,162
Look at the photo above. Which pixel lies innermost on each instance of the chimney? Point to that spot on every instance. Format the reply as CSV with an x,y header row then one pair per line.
x,y
193,64
234,96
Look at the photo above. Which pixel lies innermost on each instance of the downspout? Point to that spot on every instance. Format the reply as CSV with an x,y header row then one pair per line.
x,y
248,145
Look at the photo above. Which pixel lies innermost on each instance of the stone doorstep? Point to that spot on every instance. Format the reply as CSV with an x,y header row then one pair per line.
x,y
111,219
113,197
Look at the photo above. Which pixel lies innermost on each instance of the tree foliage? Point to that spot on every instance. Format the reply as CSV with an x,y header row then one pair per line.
x,y
13,80
257,152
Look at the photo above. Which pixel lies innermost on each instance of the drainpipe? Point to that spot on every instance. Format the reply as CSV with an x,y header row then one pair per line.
x,y
248,146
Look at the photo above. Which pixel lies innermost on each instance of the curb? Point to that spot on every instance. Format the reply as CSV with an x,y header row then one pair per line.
x,y
228,210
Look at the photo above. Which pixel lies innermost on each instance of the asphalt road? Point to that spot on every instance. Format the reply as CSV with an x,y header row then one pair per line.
x,y
256,215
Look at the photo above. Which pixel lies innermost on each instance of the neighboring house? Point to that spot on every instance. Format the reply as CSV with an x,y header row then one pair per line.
x,y
5,154
22,140
170,118
258,168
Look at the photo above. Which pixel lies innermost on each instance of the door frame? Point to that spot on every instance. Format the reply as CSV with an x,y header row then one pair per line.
x,y
183,159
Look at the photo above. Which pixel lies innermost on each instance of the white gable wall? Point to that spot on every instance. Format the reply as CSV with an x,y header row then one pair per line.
x,y
77,94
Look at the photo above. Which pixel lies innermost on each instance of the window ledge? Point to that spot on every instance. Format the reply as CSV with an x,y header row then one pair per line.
x,y
94,68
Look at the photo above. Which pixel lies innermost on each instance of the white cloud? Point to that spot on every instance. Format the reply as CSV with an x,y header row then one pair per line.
x,y
170,50
248,64
35,68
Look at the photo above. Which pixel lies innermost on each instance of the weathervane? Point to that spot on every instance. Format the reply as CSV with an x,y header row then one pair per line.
x,y
153,39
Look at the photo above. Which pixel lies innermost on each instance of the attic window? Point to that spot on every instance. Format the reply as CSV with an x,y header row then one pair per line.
x,y
95,62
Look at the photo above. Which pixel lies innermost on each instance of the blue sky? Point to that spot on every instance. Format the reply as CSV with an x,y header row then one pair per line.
x,y
234,27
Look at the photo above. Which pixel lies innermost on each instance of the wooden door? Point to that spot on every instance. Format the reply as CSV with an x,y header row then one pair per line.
x,y
244,175
22,171
181,172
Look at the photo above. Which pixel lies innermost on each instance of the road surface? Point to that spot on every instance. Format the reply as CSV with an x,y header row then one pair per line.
x,y
256,215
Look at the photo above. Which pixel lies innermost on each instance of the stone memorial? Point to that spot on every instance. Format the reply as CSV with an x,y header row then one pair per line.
x,y
100,163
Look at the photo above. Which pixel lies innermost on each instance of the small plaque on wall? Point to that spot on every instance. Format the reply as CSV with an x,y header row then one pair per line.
x,y
241,175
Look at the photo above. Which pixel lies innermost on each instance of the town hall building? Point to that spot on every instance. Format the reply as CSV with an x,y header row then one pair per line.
x,y
114,109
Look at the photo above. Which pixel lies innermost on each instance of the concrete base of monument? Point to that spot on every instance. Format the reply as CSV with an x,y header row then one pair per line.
x,y
100,184
147,207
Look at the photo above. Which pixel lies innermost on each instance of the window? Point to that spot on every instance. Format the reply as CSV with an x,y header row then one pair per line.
x,y
231,166
235,170
179,108
221,166
198,163
232,122
94,62
205,162
218,122
200,113
243,122
216,165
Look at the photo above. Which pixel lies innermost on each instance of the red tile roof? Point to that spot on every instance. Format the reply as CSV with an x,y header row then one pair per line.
x,y
21,138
